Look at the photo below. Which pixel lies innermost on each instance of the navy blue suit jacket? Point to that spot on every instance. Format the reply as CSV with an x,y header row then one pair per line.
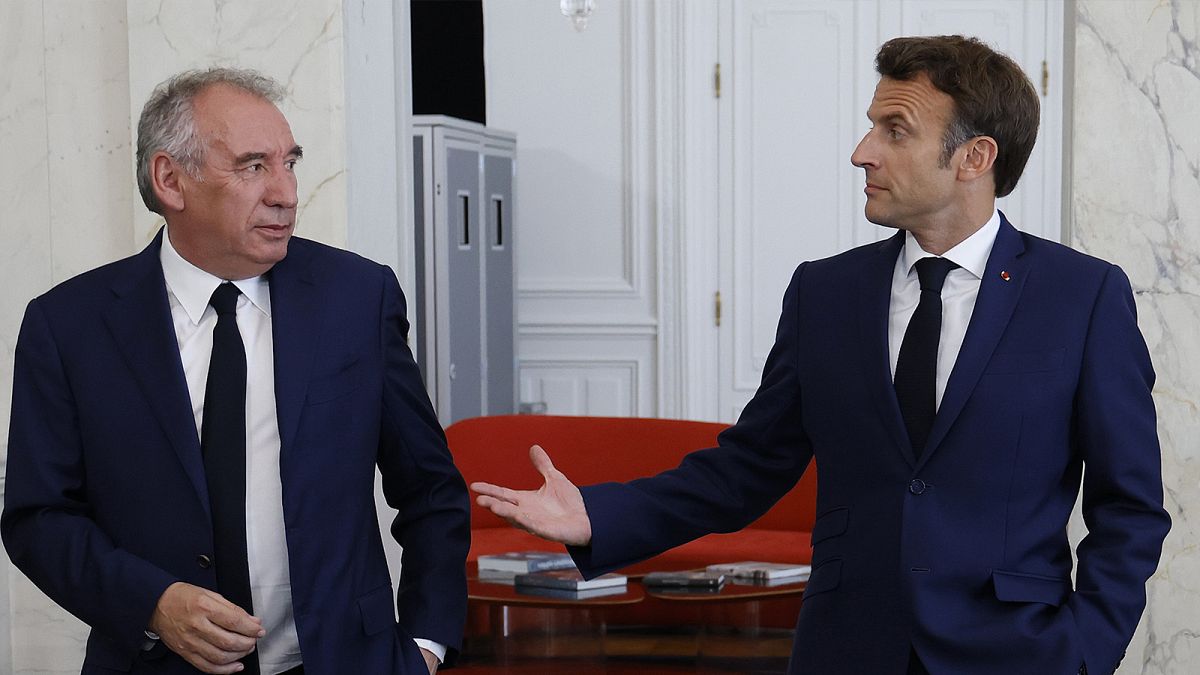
x,y
963,554
106,502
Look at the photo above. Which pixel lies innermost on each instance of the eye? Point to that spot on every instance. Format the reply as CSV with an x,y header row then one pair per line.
x,y
255,168
291,164
895,133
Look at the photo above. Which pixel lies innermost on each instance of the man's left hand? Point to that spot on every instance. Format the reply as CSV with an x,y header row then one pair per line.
x,y
431,660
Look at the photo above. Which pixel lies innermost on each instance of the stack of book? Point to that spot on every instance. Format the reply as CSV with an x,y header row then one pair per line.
x,y
503,568
523,562
691,581
763,572
569,584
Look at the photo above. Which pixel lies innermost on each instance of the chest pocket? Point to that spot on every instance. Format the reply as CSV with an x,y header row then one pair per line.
x,y
337,382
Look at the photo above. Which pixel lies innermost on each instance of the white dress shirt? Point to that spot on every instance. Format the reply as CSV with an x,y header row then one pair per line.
x,y
958,296
188,290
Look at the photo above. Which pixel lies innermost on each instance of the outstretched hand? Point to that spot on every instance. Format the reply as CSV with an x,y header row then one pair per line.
x,y
554,511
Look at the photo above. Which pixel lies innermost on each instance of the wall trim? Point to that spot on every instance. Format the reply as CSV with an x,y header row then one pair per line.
x,y
637,205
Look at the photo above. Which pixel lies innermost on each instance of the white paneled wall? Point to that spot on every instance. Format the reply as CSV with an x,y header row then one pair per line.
x,y
581,105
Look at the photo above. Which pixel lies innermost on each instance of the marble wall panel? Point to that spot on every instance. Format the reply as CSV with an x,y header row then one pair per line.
x,y
297,42
24,195
24,215
90,166
1136,201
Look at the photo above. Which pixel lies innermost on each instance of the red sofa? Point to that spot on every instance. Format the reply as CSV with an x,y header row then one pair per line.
x,y
598,449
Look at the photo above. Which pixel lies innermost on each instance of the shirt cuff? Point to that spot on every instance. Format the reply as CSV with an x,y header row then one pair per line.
x,y
439,650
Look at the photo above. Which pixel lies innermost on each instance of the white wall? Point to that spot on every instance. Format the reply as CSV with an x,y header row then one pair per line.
x,y
581,106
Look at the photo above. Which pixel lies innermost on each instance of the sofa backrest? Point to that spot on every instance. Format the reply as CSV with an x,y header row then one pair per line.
x,y
594,450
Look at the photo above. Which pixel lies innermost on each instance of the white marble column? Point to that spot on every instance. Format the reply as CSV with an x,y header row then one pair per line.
x,y
1136,201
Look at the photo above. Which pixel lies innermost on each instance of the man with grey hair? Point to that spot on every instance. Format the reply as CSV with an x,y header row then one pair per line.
x,y
195,429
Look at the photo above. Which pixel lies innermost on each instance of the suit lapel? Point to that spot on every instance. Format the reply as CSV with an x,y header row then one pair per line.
x,y
295,325
140,322
993,309
875,296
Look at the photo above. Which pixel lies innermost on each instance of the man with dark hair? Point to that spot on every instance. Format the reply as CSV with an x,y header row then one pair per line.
x,y
951,383
195,429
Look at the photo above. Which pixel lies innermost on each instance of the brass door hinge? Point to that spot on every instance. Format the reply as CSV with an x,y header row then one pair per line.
x,y
717,81
1045,79
717,309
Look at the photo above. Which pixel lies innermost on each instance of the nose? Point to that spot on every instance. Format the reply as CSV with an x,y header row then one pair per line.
x,y
281,189
863,156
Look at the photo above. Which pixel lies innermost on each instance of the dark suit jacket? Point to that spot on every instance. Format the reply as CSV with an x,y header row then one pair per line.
x,y
106,502
963,554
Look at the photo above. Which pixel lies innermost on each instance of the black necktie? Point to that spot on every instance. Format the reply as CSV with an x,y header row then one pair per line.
x,y
916,369
223,443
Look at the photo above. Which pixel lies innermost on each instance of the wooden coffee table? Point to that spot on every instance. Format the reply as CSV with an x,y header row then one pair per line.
x,y
519,625
518,631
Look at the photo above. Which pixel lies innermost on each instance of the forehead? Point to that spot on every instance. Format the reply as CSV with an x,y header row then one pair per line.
x,y
915,100
240,120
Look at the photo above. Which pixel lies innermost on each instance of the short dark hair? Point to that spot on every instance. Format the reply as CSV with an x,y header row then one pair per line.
x,y
992,96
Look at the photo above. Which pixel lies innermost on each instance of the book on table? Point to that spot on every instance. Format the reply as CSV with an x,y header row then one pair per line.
x,y
564,594
763,571
570,580
698,580
522,562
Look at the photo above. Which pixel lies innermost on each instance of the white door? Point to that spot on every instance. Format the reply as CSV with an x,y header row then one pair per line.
x,y
797,77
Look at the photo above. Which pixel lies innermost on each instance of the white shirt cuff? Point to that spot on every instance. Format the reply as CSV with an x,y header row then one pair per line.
x,y
439,650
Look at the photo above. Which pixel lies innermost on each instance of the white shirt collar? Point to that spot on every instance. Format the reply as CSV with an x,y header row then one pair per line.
x,y
971,254
193,287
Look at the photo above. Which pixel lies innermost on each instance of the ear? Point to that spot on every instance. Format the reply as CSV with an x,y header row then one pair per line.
x,y
978,157
166,178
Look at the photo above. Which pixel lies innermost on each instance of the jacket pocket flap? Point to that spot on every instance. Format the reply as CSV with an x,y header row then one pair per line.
x,y
824,577
830,524
1022,587
377,612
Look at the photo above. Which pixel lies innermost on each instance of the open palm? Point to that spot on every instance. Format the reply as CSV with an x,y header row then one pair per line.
x,y
555,511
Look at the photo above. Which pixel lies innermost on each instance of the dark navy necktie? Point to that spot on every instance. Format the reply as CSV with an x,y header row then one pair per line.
x,y
916,368
223,444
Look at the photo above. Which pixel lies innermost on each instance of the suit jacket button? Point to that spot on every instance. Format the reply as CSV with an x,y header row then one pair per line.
x,y
917,486
203,561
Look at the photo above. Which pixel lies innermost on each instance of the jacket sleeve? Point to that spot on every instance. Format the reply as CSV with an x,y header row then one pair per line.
x,y
719,489
422,483
46,525
1115,433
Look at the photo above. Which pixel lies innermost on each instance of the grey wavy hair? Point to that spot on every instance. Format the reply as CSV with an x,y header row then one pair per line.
x,y
168,121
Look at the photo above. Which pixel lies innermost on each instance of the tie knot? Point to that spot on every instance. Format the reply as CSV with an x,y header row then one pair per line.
x,y
932,273
225,298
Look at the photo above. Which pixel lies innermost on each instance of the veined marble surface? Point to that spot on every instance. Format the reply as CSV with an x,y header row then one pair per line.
x,y
1136,202
296,42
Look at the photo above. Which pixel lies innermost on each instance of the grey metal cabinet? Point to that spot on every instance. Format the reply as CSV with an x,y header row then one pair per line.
x,y
465,242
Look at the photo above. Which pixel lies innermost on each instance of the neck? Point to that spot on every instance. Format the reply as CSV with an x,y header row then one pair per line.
x,y
939,238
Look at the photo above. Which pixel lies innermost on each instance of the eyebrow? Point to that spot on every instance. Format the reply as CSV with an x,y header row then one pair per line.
x,y
891,117
247,157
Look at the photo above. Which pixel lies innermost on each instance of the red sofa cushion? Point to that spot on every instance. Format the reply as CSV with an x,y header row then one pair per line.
x,y
599,449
